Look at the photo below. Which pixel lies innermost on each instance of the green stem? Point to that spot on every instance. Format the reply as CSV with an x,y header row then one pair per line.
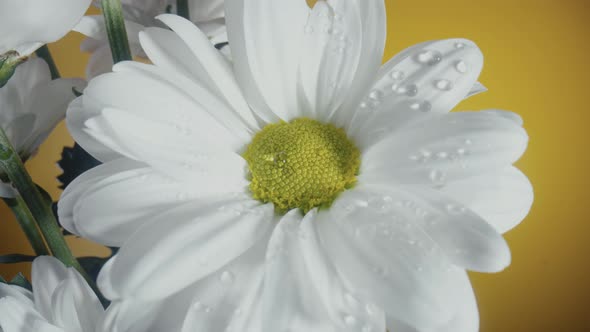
x,y
28,224
43,53
12,166
182,9
115,23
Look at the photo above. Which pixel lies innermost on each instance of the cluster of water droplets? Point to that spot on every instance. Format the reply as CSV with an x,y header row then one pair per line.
x,y
400,82
363,313
456,156
330,26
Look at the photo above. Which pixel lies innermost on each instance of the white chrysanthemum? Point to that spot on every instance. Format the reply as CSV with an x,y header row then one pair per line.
x,y
25,25
208,15
237,187
61,301
31,105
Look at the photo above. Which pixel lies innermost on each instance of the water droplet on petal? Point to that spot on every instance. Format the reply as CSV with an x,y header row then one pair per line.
x,y
308,29
409,90
376,95
459,45
461,66
367,328
429,57
437,177
423,106
349,320
397,75
226,277
444,85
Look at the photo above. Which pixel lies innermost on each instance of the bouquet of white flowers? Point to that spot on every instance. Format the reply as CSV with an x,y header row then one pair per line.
x,y
256,169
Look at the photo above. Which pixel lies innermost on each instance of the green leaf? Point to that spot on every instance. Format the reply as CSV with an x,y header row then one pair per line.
x,y
8,63
21,280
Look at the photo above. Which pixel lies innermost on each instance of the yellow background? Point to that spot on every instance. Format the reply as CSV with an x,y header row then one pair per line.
x,y
537,61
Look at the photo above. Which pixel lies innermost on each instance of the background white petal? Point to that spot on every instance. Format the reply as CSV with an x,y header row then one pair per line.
x,y
25,25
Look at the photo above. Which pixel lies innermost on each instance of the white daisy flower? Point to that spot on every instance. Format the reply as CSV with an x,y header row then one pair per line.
x,y
304,186
61,301
26,25
208,15
31,105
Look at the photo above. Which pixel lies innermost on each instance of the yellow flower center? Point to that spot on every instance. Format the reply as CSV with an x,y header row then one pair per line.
x,y
301,164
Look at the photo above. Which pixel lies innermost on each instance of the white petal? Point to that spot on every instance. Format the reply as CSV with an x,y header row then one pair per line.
x,y
389,258
372,19
207,101
228,299
429,78
196,238
74,304
76,116
466,319
46,275
171,150
17,316
476,89
215,66
503,198
20,293
25,25
137,316
445,148
154,98
71,195
268,75
101,62
302,291
458,233
49,103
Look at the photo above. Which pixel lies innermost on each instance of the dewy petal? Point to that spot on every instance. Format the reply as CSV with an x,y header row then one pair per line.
x,y
228,299
302,291
18,316
379,244
46,275
371,46
429,78
466,319
342,49
196,238
75,306
503,198
266,40
445,148
25,25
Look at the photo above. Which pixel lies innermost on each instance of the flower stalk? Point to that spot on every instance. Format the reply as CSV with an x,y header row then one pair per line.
x,y
182,9
28,224
43,53
14,169
115,23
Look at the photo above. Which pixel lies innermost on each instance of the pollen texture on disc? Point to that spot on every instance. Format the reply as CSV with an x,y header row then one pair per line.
x,y
301,164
